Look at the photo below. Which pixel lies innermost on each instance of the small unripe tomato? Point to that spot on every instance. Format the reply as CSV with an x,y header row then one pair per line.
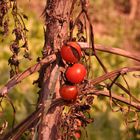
x,y
76,73
71,52
68,92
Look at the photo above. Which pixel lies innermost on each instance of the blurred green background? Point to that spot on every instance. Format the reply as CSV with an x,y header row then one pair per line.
x,y
115,26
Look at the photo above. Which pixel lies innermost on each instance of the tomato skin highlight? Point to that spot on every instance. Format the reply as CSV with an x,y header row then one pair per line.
x,y
76,73
68,92
67,52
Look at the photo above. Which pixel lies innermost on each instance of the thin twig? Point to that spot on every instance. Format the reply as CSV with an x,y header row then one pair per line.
x,y
112,74
72,7
109,89
108,49
76,21
116,97
18,78
14,110
127,91
85,11
16,132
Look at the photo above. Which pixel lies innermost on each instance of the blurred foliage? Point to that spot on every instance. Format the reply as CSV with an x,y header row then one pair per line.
x,y
112,28
24,95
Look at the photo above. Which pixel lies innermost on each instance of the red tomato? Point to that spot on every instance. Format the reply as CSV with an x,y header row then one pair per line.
x,y
71,52
77,135
76,73
68,92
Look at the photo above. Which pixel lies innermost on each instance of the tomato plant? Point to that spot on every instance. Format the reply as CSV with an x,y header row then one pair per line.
x,y
71,52
76,73
68,92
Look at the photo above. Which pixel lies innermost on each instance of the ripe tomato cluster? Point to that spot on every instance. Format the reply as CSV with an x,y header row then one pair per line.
x,y
71,53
